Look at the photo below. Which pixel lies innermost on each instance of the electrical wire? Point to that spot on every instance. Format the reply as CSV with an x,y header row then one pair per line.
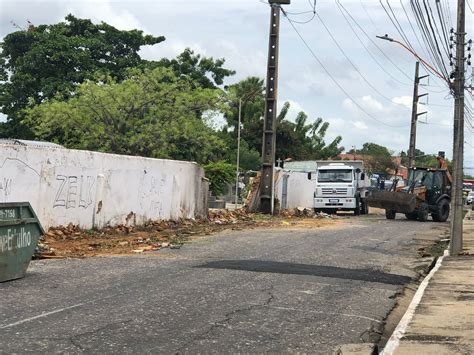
x,y
428,28
369,52
372,41
469,5
368,15
355,67
332,77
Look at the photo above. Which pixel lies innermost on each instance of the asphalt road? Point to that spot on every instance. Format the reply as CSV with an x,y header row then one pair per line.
x,y
240,291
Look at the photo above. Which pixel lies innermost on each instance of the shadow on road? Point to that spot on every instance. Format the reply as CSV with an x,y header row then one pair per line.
x,y
307,269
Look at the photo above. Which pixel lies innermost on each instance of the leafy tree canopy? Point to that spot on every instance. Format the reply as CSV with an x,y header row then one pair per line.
x,y
219,174
297,140
152,114
377,157
48,60
302,141
423,159
203,71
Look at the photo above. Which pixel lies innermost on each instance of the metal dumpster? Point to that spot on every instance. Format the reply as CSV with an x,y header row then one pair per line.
x,y
20,231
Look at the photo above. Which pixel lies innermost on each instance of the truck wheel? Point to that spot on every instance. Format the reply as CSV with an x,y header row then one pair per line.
x,y
390,214
357,207
364,209
442,211
413,216
423,212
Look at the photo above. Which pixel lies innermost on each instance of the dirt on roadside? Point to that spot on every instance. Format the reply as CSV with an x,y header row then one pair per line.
x,y
73,242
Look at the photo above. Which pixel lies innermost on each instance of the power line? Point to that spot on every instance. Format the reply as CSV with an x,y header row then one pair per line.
x,y
372,41
332,78
425,24
354,66
367,49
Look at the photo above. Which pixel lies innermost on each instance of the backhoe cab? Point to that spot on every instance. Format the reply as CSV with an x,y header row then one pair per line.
x,y
428,192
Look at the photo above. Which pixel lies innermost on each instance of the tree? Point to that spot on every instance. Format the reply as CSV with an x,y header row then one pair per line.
x,y
301,141
45,61
297,140
251,92
377,157
198,69
423,159
152,114
220,174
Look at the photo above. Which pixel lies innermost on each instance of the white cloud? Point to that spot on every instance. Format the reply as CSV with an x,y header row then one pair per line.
x,y
360,125
404,100
106,11
169,49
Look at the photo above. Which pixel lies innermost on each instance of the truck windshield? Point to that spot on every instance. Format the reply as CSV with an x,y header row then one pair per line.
x,y
335,175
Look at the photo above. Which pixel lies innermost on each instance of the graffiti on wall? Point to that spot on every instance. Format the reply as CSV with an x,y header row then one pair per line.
x,y
74,191
6,186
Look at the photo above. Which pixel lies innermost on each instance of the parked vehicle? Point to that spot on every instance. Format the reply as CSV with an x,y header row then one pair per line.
x,y
428,192
470,197
340,185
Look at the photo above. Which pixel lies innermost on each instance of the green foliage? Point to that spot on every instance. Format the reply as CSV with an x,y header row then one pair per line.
x,y
377,157
198,69
251,91
301,141
220,174
47,61
297,140
152,114
249,158
424,160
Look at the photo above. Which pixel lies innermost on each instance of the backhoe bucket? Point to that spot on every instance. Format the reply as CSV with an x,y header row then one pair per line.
x,y
389,200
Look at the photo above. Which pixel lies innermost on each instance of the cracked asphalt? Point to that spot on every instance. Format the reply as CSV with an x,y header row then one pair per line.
x,y
250,291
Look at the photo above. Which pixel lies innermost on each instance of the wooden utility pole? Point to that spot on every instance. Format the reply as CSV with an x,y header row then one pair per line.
x,y
414,115
458,135
269,123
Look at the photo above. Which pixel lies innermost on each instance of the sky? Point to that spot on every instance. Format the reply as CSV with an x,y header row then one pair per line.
x,y
371,101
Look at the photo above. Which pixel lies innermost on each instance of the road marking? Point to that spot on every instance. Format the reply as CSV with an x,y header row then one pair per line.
x,y
401,328
40,316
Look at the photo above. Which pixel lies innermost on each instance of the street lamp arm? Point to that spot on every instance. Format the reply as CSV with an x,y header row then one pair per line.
x,y
386,38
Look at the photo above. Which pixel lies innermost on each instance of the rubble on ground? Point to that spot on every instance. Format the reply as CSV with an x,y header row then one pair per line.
x,y
221,216
73,242
302,212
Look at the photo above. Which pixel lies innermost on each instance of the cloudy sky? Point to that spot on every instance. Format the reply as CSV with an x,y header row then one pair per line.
x,y
238,31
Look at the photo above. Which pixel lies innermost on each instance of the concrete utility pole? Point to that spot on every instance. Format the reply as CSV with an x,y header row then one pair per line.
x,y
458,135
238,156
269,123
414,115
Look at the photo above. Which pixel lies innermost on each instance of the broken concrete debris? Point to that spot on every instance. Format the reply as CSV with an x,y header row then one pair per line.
x,y
73,242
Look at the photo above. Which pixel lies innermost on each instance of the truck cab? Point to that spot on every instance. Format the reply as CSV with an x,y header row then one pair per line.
x,y
341,186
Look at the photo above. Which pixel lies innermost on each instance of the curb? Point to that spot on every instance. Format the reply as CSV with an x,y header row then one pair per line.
x,y
402,326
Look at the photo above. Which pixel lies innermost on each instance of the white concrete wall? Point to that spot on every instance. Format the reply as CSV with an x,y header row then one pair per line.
x,y
300,190
97,189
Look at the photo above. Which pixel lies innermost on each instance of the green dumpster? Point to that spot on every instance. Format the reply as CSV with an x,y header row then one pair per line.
x,y
20,231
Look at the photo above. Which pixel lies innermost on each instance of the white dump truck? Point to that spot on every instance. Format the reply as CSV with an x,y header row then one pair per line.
x,y
340,185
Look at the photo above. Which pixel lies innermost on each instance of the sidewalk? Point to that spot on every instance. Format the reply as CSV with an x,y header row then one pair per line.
x,y
443,322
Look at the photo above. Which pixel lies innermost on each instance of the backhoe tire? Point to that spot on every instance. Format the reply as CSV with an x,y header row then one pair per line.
x,y
390,214
413,216
423,212
442,211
